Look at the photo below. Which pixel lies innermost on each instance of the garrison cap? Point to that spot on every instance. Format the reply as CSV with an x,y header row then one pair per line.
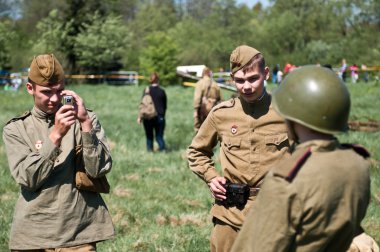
x,y
46,69
241,56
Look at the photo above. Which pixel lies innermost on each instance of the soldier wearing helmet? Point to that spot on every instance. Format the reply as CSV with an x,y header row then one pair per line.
x,y
316,199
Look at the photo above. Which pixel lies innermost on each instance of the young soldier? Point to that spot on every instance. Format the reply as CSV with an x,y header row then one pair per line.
x,y
42,146
252,137
315,199
206,88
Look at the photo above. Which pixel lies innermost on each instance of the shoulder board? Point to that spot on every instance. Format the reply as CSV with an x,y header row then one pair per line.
x,y
225,104
289,168
358,149
23,116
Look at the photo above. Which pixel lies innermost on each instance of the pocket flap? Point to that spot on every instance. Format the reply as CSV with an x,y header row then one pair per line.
x,y
232,142
276,139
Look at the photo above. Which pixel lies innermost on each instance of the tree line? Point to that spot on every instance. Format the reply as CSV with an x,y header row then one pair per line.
x,y
94,37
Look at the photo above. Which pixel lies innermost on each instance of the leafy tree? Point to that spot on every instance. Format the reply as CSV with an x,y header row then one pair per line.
x,y
54,36
160,55
33,11
6,39
152,16
59,30
100,45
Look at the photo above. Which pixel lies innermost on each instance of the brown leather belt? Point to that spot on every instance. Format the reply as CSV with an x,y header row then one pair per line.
x,y
253,191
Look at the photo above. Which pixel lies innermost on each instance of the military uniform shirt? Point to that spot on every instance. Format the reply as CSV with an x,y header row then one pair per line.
x,y
312,201
50,211
252,137
201,90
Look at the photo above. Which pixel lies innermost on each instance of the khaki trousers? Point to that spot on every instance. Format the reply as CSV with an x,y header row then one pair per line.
x,y
91,247
222,236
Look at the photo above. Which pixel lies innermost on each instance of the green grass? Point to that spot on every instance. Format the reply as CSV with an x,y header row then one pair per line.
x,y
157,204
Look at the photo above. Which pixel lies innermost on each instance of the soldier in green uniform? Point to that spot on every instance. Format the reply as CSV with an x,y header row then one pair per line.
x,y
205,89
252,137
316,199
41,146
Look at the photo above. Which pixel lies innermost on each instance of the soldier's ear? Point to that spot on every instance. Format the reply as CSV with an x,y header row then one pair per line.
x,y
30,88
266,73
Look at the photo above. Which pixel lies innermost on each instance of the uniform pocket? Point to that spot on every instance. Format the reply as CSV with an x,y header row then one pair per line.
x,y
232,143
276,142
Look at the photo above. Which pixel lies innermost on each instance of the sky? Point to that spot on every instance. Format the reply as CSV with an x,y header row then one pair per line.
x,y
251,3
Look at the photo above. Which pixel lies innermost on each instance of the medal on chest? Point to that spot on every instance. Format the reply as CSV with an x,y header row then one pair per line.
x,y
234,129
38,144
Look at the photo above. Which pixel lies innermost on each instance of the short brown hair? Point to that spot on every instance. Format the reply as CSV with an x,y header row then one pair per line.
x,y
206,71
256,61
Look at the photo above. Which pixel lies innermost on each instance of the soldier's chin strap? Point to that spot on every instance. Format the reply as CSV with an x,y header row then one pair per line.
x,y
292,134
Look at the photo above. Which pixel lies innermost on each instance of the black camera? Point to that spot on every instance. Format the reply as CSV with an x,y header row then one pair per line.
x,y
237,194
67,99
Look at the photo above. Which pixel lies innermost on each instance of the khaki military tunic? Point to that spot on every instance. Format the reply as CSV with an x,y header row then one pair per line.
x,y
252,137
201,90
51,212
312,201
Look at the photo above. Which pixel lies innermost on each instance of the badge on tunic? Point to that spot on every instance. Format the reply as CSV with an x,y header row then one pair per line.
x,y
38,144
234,129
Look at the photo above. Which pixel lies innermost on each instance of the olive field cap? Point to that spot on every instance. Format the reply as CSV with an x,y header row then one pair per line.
x,y
45,69
314,97
241,56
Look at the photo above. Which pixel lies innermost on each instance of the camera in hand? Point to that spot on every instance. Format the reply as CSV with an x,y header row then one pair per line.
x,y
237,194
67,99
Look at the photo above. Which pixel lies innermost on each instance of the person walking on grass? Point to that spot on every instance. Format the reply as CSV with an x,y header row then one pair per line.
x,y
155,125
316,199
206,95
44,147
252,137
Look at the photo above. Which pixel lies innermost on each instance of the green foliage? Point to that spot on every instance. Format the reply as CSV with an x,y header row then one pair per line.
x,y
203,32
6,39
160,56
54,35
156,203
101,43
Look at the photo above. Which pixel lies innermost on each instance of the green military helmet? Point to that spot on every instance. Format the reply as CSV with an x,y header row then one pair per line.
x,y
314,97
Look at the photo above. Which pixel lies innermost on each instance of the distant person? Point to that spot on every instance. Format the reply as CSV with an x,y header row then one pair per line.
x,y
316,199
287,68
45,147
280,75
365,73
220,76
206,95
343,70
275,70
251,136
156,125
354,73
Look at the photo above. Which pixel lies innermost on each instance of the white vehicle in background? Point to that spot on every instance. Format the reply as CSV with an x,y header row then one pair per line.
x,y
194,72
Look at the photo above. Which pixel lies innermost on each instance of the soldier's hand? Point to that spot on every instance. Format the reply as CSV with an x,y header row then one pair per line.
x,y
139,120
81,111
64,118
217,189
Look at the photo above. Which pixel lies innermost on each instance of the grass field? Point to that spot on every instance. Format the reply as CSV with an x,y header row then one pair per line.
x,y
157,204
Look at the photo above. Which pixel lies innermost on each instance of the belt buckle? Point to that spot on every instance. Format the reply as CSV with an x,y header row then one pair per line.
x,y
253,191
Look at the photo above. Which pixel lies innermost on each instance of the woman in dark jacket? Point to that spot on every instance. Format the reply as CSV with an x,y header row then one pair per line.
x,y
156,125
